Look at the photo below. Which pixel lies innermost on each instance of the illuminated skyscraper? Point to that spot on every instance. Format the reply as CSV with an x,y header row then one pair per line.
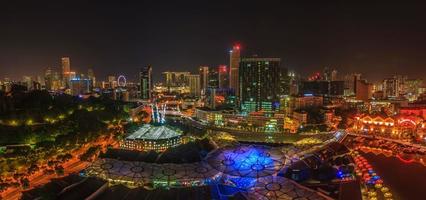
x,y
329,74
392,87
145,77
284,82
66,69
194,84
218,92
350,81
40,81
364,90
66,65
80,85
259,84
48,78
91,76
175,79
112,82
72,75
322,88
56,81
234,63
223,76
204,78
6,86
412,88
27,81
213,78
111,78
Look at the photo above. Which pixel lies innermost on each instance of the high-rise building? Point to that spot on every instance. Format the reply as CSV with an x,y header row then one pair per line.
x,y
6,86
329,74
39,80
91,76
334,75
80,86
391,87
412,88
120,94
66,65
234,64
57,81
294,82
27,82
219,98
364,90
72,75
350,84
168,78
337,88
285,102
204,78
175,79
259,84
322,88
66,69
395,86
145,77
111,78
223,76
213,79
112,82
303,102
48,78
194,84
285,80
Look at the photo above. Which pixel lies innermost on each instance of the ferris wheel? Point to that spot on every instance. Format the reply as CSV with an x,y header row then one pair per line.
x,y
121,81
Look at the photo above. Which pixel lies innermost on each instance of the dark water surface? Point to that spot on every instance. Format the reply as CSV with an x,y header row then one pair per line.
x,y
406,181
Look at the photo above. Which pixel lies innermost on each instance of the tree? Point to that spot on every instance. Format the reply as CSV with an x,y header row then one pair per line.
x,y
45,144
33,168
59,170
64,157
25,183
90,153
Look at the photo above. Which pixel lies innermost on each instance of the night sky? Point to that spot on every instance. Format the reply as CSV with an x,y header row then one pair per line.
x,y
377,39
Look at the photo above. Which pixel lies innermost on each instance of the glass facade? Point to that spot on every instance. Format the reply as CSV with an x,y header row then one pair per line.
x,y
260,86
145,77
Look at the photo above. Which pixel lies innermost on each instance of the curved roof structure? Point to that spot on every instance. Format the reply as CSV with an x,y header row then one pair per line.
x,y
141,173
246,161
152,132
251,168
280,188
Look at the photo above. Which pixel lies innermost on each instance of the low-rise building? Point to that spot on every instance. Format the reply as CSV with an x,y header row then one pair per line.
x,y
255,121
149,137
301,117
155,136
396,126
307,101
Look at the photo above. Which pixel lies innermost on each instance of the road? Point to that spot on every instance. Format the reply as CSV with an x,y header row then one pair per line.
x,y
42,179
72,166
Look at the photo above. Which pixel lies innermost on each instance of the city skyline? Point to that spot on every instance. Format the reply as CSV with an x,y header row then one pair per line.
x,y
212,100
362,38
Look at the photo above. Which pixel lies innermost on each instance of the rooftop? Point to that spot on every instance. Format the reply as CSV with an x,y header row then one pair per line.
x,y
151,132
